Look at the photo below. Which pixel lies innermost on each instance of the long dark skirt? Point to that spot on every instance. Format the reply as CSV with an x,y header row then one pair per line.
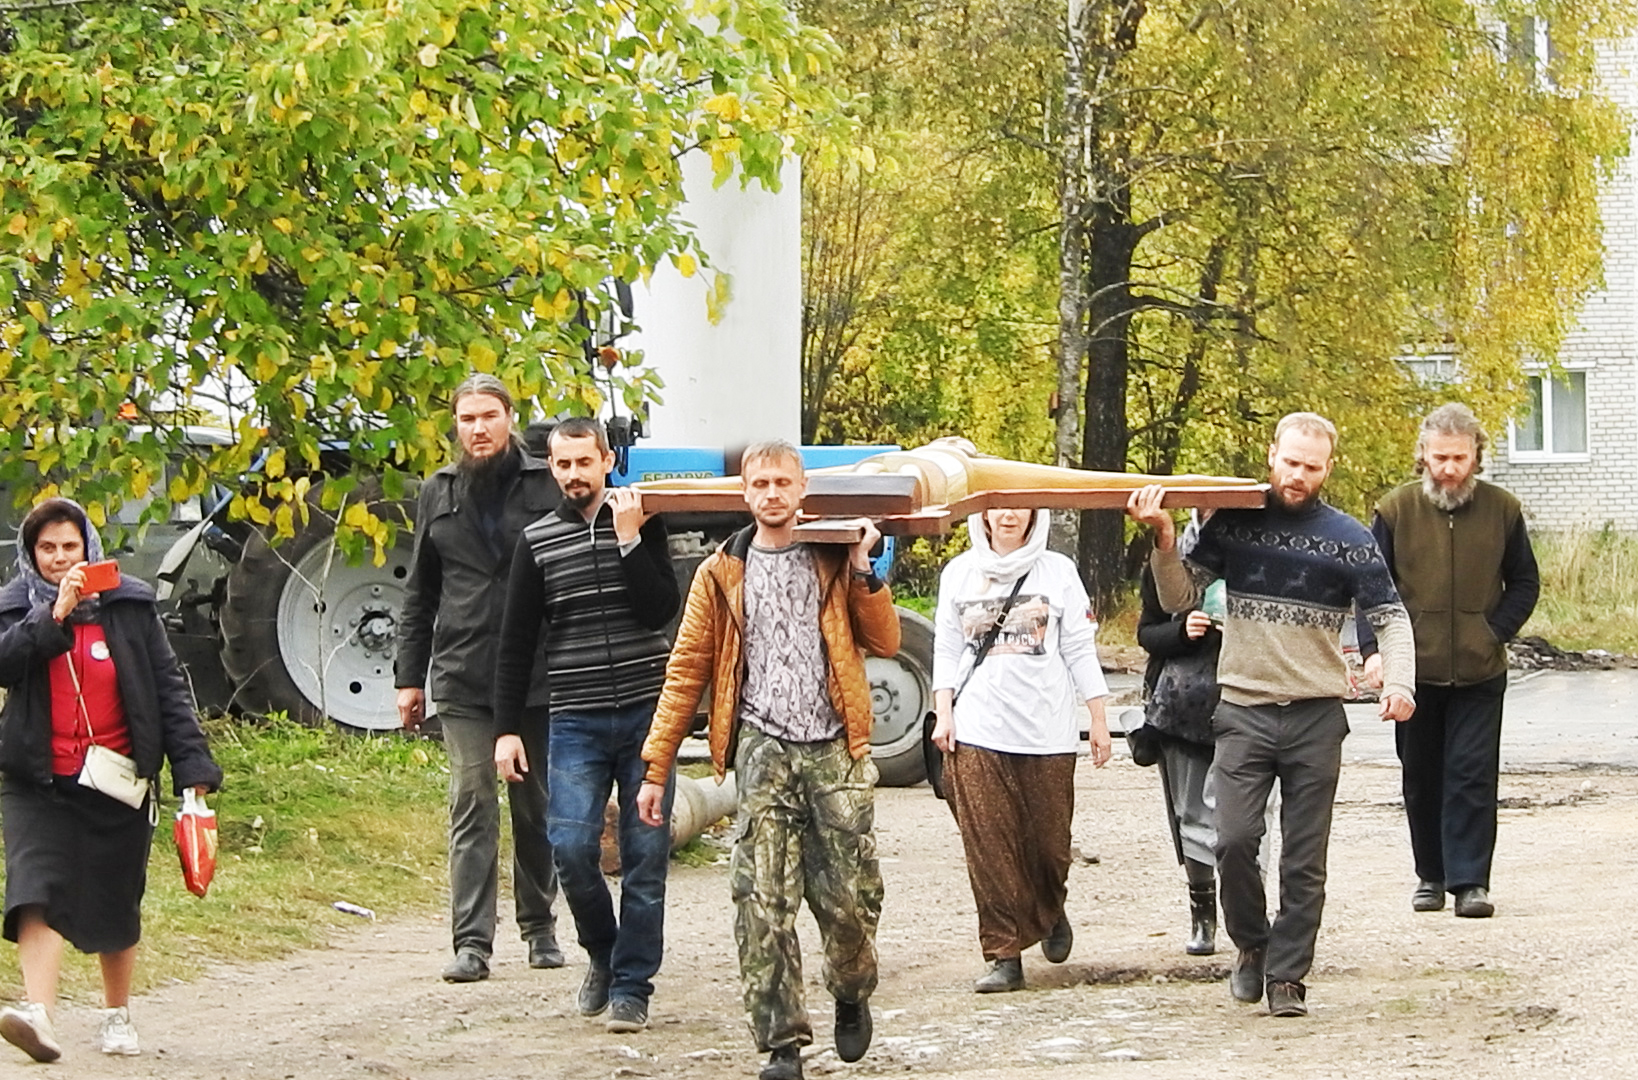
x,y
1014,811
80,856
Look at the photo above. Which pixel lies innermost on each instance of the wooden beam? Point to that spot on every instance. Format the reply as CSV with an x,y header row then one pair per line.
x,y
829,495
1245,497
830,531
693,502
898,515
933,522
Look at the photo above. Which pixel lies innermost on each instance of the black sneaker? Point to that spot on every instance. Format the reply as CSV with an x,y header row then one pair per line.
x,y
853,1029
1287,998
594,988
627,1014
467,967
785,1063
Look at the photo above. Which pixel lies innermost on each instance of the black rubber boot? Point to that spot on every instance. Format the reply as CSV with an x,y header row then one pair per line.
x,y
1202,908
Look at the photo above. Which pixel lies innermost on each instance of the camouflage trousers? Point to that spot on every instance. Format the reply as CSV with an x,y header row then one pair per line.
x,y
806,815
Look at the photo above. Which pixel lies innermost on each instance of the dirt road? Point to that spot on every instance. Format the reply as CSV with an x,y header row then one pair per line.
x,y
1547,989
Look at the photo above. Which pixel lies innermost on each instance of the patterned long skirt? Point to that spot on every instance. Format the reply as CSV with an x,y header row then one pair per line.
x,y
1014,811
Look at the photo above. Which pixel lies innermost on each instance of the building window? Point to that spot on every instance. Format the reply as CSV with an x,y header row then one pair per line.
x,y
1529,47
1555,427
1432,368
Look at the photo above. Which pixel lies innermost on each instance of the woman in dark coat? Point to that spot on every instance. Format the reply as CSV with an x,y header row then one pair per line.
x,y
81,669
1180,702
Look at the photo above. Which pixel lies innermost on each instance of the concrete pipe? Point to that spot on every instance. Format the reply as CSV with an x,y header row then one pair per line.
x,y
697,806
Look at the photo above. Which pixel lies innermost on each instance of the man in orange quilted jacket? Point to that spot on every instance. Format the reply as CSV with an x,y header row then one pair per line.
x,y
778,629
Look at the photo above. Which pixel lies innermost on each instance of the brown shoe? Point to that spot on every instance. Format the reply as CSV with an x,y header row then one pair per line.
x,y
1246,980
1287,998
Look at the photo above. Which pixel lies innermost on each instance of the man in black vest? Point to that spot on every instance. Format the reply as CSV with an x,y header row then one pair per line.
x,y
1462,560
467,523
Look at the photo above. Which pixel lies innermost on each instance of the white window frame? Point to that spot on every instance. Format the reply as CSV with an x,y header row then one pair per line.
x,y
1434,367
1546,455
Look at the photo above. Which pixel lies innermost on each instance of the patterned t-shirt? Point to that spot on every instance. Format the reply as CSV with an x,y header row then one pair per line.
x,y
787,685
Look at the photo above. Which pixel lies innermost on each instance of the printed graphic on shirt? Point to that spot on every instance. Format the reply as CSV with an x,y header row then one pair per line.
x,y
1023,634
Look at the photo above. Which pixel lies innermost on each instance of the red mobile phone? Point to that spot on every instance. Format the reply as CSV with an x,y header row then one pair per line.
x,y
101,576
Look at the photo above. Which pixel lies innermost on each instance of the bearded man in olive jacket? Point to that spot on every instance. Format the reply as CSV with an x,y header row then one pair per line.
x,y
1461,557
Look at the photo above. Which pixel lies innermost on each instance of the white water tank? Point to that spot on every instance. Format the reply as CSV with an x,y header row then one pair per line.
x,y
737,380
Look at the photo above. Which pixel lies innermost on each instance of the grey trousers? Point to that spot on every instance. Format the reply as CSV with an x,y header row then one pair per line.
x,y
1300,744
474,829
1194,802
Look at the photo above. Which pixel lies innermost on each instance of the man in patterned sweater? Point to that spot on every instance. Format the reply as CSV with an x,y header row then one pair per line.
x,y
1291,570
596,575
778,629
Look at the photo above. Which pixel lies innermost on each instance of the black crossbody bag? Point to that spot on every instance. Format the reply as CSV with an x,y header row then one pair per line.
x,y
932,757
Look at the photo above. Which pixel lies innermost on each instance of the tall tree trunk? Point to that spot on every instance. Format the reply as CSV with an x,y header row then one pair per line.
x,y
1105,439
1072,283
1168,436
1111,28
1072,280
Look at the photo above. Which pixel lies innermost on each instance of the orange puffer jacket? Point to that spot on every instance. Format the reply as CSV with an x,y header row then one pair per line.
x,y
855,616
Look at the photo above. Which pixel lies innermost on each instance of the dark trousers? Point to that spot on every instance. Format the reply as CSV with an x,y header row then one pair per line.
x,y
474,829
1299,744
1450,754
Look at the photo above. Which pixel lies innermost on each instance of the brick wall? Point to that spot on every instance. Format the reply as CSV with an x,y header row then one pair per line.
x,y
1604,488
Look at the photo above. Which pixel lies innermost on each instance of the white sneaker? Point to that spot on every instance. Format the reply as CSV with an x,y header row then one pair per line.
x,y
117,1035
27,1026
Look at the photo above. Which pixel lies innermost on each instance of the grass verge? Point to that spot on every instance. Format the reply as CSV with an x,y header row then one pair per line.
x,y
306,817
1589,590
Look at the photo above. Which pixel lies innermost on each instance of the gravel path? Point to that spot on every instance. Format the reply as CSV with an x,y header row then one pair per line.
x,y
1544,990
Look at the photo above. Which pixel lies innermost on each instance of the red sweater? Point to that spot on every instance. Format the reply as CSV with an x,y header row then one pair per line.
x,y
98,687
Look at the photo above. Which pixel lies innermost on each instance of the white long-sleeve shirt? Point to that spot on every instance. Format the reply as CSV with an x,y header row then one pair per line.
x,y
1025,697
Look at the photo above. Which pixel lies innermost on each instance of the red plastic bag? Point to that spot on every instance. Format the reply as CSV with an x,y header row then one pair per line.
x,y
196,842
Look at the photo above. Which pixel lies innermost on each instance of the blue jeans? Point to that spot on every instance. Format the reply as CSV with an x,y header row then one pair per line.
x,y
592,751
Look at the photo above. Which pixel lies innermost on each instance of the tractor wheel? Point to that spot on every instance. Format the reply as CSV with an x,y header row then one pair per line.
x,y
900,695
305,633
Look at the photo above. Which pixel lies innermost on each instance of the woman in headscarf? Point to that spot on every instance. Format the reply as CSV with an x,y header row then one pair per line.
x,y
1014,656
82,669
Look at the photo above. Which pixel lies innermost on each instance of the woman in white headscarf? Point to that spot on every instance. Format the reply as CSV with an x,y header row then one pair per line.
x,y
1014,656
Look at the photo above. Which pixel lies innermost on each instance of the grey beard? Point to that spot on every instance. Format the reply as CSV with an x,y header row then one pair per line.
x,y
1449,500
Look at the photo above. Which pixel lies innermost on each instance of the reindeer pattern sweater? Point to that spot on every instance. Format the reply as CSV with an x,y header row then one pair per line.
x,y
1291,579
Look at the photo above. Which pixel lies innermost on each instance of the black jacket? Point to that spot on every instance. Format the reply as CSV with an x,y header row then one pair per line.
x,y
158,707
456,591
1166,638
1163,635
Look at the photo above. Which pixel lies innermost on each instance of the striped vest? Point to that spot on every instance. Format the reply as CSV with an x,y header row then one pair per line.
x,y
598,656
